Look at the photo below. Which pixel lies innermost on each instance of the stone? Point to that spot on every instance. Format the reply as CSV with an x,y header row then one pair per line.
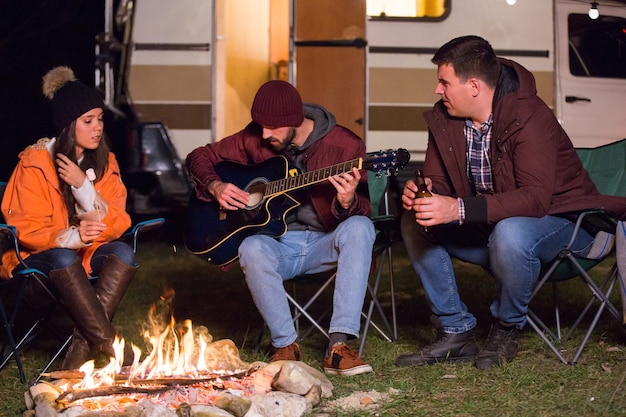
x,y
234,404
208,411
156,410
314,396
44,387
294,379
75,411
277,404
45,409
301,373
183,410
265,375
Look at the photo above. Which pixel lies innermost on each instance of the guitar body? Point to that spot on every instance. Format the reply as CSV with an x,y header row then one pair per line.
x,y
216,234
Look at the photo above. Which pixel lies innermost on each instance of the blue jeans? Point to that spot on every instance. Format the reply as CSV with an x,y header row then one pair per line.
x,y
61,258
268,261
513,251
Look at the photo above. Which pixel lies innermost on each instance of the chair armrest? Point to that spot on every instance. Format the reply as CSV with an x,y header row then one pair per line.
x,y
592,221
8,235
142,227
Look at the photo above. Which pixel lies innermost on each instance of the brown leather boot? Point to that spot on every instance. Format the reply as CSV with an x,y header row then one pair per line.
x,y
78,353
113,281
86,310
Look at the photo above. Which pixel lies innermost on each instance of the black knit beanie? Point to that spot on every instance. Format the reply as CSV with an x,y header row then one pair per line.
x,y
70,98
277,104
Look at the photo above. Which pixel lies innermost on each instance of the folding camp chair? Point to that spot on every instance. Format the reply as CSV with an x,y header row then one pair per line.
x,y
607,168
28,301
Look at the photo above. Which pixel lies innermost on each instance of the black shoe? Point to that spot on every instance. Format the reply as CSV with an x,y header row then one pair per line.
x,y
448,347
500,347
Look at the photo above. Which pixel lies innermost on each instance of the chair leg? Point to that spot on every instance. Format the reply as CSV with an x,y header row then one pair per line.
x,y
393,297
600,292
53,359
547,341
373,291
590,330
13,347
302,312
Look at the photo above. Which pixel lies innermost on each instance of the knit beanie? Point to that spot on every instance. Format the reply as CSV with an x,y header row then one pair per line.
x,y
277,104
70,98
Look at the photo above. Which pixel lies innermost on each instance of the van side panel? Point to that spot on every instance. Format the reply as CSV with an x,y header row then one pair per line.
x,y
170,75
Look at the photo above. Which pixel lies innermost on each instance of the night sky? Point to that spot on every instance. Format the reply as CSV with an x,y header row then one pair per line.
x,y
35,36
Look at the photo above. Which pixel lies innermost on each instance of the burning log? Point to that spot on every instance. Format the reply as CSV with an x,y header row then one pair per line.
x,y
143,386
75,395
173,381
123,378
63,375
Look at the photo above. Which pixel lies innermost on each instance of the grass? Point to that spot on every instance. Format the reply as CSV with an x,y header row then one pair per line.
x,y
534,384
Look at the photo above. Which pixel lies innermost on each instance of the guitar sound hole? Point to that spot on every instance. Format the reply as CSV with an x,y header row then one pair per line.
x,y
255,200
256,189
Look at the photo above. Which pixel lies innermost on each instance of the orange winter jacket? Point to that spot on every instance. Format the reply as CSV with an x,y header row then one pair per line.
x,y
33,203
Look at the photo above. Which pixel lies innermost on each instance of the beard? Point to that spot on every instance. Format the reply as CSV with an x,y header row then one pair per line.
x,y
281,145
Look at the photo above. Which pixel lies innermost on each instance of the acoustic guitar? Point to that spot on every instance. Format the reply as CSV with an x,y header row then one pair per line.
x,y
216,234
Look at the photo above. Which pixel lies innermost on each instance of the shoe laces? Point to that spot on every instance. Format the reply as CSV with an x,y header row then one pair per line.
x,y
342,351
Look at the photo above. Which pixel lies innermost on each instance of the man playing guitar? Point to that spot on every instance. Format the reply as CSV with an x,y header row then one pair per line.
x,y
327,224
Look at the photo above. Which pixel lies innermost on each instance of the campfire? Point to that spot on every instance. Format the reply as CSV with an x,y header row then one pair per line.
x,y
186,372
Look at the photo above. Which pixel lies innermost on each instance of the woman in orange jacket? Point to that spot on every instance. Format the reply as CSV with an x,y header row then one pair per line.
x,y
67,202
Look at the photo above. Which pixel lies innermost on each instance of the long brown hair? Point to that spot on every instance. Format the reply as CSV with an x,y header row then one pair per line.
x,y
98,159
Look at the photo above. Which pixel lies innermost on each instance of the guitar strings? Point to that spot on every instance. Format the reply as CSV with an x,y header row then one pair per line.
x,y
287,184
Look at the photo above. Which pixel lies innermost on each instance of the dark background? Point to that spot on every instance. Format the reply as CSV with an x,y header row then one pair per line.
x,y
35,36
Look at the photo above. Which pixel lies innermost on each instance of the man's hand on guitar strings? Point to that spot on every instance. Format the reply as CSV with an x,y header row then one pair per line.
x,y
346,184
228,195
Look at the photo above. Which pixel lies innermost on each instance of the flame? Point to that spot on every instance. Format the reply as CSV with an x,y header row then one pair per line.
x,y
177,351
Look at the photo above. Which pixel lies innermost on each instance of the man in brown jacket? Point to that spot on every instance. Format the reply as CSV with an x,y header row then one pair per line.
x,y
501,170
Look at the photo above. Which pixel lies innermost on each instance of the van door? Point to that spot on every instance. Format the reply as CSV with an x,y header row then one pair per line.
x,y
590,98
330,50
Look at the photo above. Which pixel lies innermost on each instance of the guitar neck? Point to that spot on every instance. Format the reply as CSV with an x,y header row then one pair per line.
x,y
311,177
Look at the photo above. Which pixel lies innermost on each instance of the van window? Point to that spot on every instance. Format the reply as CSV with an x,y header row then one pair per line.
x,y
597,48
404,10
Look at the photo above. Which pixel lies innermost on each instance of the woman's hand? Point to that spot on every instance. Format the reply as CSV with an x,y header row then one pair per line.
x,y
90,230
69,172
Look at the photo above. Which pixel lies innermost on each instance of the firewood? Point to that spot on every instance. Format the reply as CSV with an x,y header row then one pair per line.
x,y
75,395
64,375
141,386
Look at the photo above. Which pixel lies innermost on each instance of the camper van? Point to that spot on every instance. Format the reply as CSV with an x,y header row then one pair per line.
x,y
196,64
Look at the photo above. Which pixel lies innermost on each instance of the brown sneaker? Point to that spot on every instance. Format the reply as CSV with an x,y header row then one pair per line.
x,y
288,353
344,361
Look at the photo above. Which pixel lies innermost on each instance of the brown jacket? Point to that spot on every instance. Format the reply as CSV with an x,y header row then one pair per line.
x,y
536,170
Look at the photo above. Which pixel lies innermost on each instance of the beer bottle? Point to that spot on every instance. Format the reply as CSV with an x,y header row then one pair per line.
x,y
422,189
